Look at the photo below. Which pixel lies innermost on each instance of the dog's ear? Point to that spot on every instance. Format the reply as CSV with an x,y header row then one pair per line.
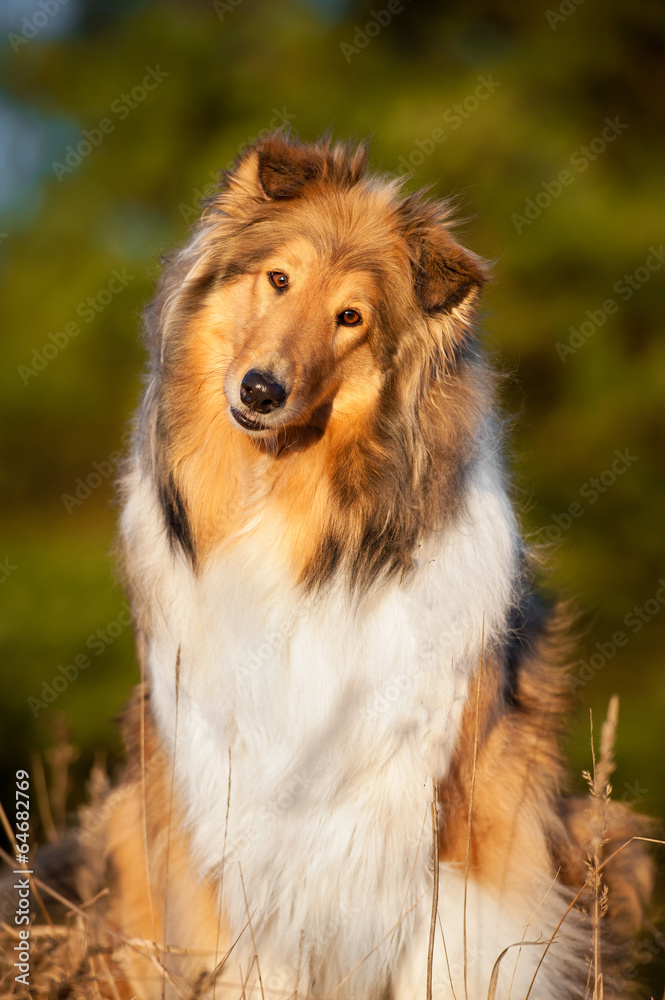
x,y
278,168
445,275
239,186
273,168
284,168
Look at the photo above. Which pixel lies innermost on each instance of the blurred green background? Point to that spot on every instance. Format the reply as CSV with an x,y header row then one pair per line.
x,y
504,105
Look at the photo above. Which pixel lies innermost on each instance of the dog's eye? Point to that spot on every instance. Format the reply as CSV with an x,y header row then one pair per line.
x,y
350,317
278,280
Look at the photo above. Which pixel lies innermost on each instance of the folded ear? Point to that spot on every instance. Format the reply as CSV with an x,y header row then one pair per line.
x,y
277,168
448,275
445,275
284,167
274,167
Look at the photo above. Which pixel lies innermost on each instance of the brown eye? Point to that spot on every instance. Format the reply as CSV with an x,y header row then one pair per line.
x,y
278,280
350,317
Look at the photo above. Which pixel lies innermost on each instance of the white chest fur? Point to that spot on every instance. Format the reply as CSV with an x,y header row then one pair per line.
x,y
333,718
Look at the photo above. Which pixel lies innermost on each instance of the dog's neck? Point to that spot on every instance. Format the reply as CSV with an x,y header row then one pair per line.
x,y
346,492
264,665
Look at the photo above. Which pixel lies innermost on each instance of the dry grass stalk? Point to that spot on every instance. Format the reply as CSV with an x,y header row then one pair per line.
x,y
59,758
445,952
435,887
209,980
600,790
43,803
581,891
144,809
471,795
300,951
168,834
251,931
496,968
376,946
522,942
220,895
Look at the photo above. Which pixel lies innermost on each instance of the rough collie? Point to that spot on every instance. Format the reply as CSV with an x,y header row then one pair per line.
x,y
344,775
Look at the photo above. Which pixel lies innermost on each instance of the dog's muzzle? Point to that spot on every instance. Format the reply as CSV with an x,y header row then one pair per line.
x,y
260,393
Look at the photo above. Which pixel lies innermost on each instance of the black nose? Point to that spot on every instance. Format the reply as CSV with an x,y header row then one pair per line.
x,y
260,392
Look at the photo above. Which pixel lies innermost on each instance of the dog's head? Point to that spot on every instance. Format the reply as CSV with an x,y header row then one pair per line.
x,y
309,285
316,312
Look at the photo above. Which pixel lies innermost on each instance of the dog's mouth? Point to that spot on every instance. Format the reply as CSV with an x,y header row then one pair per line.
x,y
272,420
294,436
248,421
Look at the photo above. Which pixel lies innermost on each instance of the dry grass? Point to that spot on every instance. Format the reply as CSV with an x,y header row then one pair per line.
x,y
66,961
600,789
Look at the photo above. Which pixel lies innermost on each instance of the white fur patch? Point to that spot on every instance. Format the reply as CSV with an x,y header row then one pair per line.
x,y
493,925
334,718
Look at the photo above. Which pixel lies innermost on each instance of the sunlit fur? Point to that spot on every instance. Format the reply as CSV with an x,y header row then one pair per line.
x,y
334,611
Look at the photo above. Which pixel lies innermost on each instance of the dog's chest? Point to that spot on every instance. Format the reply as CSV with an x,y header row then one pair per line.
x,y
307,731
313,699
331,721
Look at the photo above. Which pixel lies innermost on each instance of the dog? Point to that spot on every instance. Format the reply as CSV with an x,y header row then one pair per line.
x,y
344,777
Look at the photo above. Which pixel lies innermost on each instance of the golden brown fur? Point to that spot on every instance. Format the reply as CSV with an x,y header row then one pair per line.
x,y
521,821
157,896
382,464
